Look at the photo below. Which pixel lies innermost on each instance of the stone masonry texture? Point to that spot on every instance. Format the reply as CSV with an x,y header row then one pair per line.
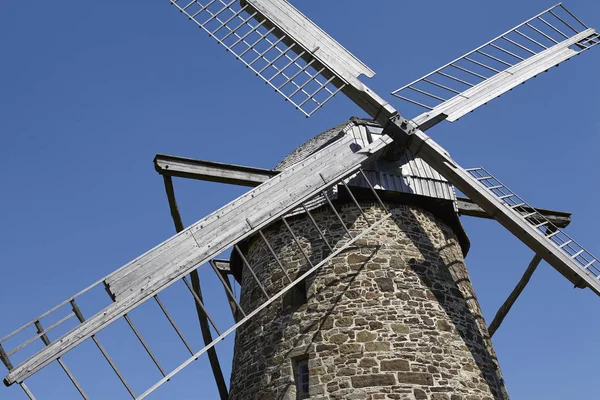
x,y
394,316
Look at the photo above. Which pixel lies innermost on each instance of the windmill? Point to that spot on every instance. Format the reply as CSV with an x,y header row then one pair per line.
x,y
130,286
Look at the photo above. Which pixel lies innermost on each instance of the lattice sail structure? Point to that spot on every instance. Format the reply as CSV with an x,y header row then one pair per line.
x,y
300,74
499,65
582,258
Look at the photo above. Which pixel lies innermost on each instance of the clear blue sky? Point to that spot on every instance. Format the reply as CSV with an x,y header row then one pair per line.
x,y
91,91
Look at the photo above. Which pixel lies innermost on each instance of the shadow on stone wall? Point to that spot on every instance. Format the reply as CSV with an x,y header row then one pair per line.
x,y
267,332
470,325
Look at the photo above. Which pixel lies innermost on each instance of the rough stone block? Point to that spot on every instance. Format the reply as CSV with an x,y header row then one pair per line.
x,y
415,378
362,381
395,365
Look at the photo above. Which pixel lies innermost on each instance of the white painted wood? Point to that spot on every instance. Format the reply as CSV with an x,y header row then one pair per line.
x,y
211,171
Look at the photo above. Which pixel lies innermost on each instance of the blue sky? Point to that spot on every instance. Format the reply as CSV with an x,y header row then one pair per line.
x,y
91,91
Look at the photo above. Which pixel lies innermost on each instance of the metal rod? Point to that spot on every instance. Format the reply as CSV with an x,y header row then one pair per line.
x,y
542,33
510,53
374,191
215,15
30,340
262,235
336,213
297,241
200,304
482,65
247,264
530,39
81,319
280,71
164,310
235,14
441,86
243,39
322,86
469,72
317,227
234,30
519,45
483,53
553,27
427,94
144,344
27,391
571,14
199,11
290,79
227,288
564,22
47,342
261,307
281,54
321,104
261,55
311,79
414,102
356,202
455,78
266,38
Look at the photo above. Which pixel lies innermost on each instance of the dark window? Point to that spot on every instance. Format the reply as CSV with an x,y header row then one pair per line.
x,y
301,377
296,296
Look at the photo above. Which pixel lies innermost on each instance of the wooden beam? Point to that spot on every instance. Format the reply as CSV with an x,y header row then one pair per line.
x,y
467,207
213,358
250,176
514,295
211,171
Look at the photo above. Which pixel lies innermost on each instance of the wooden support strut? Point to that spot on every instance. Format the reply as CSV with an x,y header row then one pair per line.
x,y
195,278
250,176
514,295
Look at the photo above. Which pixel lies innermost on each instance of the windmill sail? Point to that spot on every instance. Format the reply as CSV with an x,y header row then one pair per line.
x,y
302,46
148,275
286,49
579,257
498,66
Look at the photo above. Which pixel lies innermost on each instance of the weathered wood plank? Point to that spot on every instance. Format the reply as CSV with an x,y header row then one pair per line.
x,y
211,171
468,207
514,295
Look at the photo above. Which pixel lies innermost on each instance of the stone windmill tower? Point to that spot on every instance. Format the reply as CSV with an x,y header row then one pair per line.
x,y
351,254
394,314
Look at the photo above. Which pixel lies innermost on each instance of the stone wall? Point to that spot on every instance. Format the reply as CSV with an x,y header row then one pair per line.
x,y
393,317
